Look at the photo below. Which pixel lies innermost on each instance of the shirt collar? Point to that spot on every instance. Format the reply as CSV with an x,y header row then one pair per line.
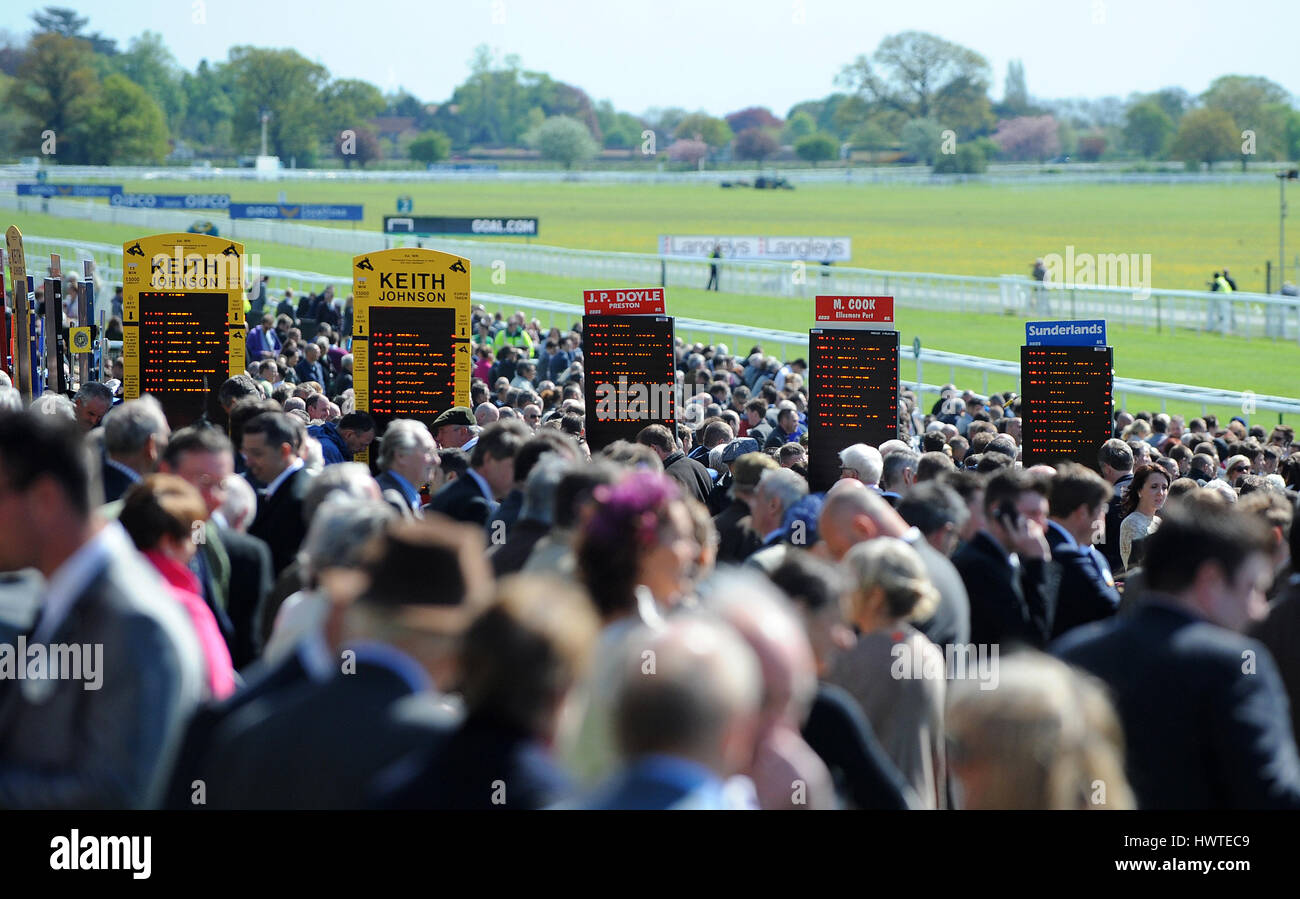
x,y
772,535
1069,538
126,470
482,485
408,489
76,573
282,477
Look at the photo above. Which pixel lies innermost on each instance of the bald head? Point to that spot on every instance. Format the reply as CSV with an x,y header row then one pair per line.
x,y
702,701
771,627
485,414
853,513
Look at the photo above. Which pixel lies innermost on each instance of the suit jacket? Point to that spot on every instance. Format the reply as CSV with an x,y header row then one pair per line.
x,y
950,622
63,746
321,745
1005,606
251,578
115,481
393,495
485,764
1114,515
693,476
259,342
1083,594
657,783
279,520
1280,632
737,539
509,557
1201,729
462,500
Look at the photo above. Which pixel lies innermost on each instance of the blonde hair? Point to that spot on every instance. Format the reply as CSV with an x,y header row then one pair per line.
x,y
1047,736
893,567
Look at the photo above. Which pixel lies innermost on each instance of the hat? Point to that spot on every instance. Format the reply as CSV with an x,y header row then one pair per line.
x,y
738,447
456,415
748,469
432,573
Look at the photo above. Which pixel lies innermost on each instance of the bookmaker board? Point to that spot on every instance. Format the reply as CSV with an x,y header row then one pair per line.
x,y
853,395
410,334
1066,403
183,322
629,380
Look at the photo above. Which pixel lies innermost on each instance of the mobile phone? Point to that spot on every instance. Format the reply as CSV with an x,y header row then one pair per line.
x,y
1009,515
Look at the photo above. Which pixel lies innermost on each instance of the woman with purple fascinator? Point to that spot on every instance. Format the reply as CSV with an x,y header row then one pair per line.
x,y
636,552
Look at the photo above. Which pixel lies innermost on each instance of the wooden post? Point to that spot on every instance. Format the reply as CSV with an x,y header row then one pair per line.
x,y
22,327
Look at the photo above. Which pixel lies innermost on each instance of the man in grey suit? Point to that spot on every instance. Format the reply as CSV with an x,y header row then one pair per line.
x,y
408,457
102,733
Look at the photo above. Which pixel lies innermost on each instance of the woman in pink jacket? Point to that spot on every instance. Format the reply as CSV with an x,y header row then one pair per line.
x,y
166,518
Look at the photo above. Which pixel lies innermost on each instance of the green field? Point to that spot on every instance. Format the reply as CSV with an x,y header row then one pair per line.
x,y
961,229
968,229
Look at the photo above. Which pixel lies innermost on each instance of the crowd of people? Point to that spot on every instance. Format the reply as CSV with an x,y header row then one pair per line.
x,y
490,613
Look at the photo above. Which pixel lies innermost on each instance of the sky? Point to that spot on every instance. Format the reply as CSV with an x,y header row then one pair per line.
x,y
724,55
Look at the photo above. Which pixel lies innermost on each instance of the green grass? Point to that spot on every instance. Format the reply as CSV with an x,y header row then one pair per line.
x,y
969,229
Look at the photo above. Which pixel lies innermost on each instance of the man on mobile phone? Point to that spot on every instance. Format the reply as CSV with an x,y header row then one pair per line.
x,y
1005,566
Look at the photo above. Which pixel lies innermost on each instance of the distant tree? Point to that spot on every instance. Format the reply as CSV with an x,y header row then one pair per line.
x,y
1028,137
713,131
921,138
1256,105
430,147
910,68
210,107
756,144
963,106
1206,135
801,124
816,148
968,160
65,22
873,136
563,140
361,146
119,124
753,117
688,150
349,103
1174,101
54,76
1091,146
149,63
289,85
1015,94
1147,128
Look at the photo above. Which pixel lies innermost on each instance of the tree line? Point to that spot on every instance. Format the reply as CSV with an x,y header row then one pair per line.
x,y
75,95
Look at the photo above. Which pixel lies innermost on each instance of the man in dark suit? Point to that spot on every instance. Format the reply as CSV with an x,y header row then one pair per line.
x,y
1205,715
309,367
324,744
787,424
135,435
737,539
103,732
1116,463
1077,508
693,476
473,498
1005,565
408,458
756,420
234,569
270,445
497,758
